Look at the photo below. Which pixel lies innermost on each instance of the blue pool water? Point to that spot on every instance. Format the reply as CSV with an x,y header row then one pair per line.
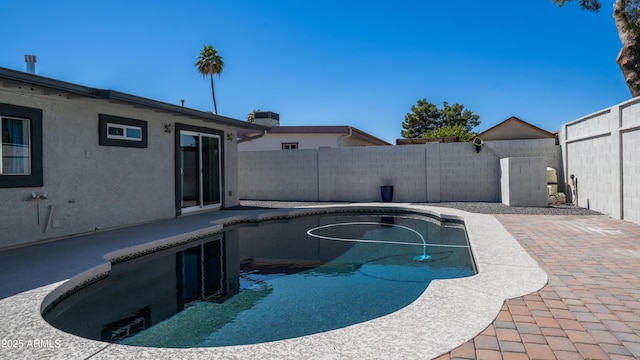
x,y
270,281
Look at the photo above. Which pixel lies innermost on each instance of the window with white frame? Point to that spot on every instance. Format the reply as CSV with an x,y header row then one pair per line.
x,y
289,146
120,131
16,146
124,132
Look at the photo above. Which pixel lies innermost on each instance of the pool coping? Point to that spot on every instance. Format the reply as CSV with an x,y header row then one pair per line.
x,y
447,314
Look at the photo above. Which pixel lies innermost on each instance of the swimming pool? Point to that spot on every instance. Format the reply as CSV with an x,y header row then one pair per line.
x,y
265,281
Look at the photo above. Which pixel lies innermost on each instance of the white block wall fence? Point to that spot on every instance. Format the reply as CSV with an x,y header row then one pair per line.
x,y
433,172
601,152
524,181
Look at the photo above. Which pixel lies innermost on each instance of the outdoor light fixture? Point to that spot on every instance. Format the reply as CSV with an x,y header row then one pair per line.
x,y
477,141
168,128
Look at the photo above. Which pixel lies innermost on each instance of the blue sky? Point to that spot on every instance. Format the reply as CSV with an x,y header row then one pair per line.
x,y
348,62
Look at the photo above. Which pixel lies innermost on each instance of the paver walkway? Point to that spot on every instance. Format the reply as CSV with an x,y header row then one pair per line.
x,y
590,309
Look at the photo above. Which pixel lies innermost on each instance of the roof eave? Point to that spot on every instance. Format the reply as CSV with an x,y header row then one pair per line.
x,y
66,87
41,81
328,129
162,106
368,137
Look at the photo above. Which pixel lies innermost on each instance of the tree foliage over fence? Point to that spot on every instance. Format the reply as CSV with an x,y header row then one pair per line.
x,y
426,120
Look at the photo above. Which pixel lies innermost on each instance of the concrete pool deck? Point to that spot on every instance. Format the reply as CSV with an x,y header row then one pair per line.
x,y
466,317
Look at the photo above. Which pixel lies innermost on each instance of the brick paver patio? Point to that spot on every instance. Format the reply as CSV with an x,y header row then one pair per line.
x,y
590,309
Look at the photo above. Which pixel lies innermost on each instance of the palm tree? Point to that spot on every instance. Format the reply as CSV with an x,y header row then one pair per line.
x,y
210,63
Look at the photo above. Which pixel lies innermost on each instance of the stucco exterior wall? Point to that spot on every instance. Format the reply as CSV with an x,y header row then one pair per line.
x,y
432,172
273,141
305,141
91,187
355,141
600,151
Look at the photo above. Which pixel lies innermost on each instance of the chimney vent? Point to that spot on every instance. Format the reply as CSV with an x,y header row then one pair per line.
x,y
31,63
268,118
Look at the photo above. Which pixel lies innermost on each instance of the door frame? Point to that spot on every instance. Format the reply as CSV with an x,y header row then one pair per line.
x,y
178,165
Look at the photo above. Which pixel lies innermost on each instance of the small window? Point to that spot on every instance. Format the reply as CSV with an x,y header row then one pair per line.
x,y
119,131
16,147
124,132
289,146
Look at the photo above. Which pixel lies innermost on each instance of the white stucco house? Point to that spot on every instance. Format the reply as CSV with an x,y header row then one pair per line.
x,y
301,137
76,159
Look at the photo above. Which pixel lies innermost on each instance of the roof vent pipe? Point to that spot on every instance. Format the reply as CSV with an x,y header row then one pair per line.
x,y
31,63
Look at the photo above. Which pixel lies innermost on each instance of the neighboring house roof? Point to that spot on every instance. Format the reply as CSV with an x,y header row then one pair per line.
x,y
13,78
515,129
244,134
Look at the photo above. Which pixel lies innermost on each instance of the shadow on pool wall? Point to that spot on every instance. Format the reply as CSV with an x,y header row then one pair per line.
x,y
290,248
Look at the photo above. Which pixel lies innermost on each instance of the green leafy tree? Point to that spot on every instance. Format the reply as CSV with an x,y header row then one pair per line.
x,y
426,120
626,14
423,118
446,131
210,63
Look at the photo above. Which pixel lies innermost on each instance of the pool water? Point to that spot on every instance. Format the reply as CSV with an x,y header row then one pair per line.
x,y
268,281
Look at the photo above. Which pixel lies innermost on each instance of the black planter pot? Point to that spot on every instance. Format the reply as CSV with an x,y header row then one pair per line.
x,y
386,191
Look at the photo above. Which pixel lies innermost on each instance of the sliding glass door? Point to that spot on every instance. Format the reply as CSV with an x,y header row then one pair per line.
x,y
200,170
